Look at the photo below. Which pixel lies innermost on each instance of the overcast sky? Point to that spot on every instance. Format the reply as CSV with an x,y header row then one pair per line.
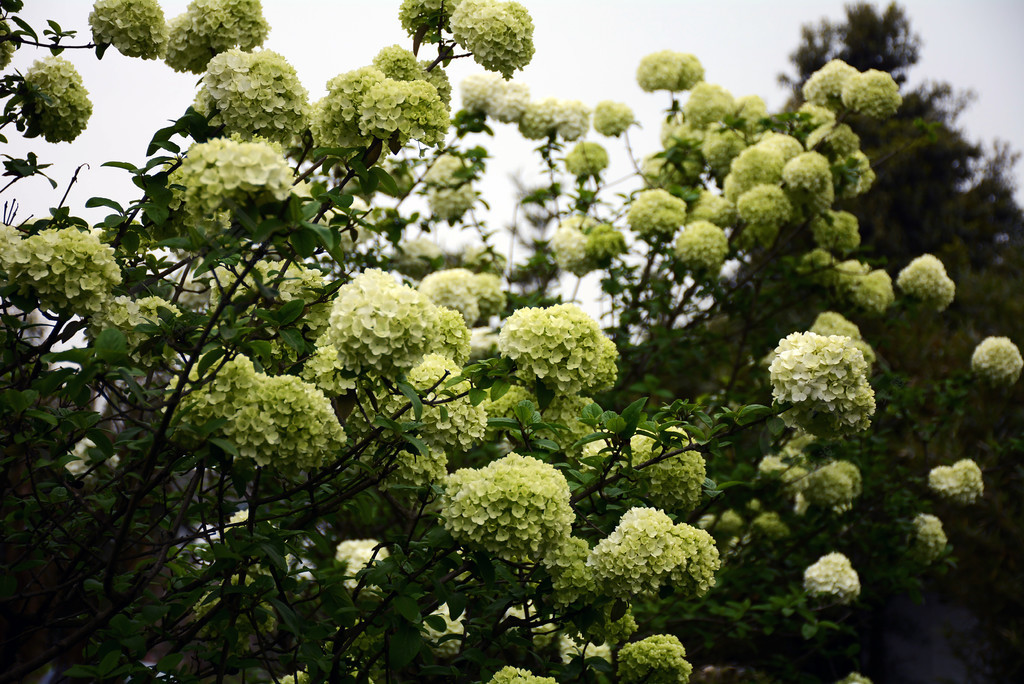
x,y
586,50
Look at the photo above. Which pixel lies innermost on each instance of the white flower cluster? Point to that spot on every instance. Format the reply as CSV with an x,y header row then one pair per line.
x,y
516,507
765,209
278,421
808,179
561,346
826,380
929,539
67,269
854,678
997,360
552,116
837,85
209,27
833,576
135,27
416,256
834,485
570,650
960,482
356,555
656,213
646,549
474,295
499,34
668,70
712,208
380,326
255,94
660,658
489,94
612,119
825,86
675,483
925,278
225,171
403,111
61,110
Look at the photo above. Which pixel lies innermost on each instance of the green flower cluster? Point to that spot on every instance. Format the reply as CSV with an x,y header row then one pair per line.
x,y
873,93
454,339
714,209
561,346
255,94
676,483
7,47
770,525
552,116
59,107
832,323
833,576
604,242
324,369
702,247
224,171
997,360
870,290
834,485
335,119
707,104
929,539
569,246
668,70
135,27
492,95
570,650
515,675
124,313
279,421
759,164
450,422
209,27
808,179
68,270
658,659
356,555
765,209
499,34
646,549
586,159
826,380
854,678
720,147
474,295
656,213
571,577
925,278
403,111
825,86
516,507
836,231
413,14
960,482
612,119
380,326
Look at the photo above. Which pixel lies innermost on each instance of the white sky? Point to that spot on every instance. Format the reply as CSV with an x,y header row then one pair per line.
x,y
586,50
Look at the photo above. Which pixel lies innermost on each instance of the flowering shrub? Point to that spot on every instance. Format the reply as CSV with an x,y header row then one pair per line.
x,y
293,414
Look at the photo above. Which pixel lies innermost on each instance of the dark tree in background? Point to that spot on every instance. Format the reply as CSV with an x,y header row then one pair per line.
x,y
942,193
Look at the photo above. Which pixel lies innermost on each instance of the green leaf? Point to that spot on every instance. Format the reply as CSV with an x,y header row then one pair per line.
x,y
809,630
304,242
209,358
751,414
405,645
293,338
499,389
290,311
407,608
544,395
413,396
